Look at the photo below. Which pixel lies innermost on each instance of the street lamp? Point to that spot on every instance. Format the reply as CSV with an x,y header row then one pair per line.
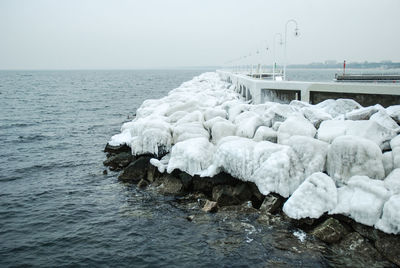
x,y
296,33
274,63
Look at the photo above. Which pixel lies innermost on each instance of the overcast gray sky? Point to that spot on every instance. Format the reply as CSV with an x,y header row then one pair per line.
x,y
87,34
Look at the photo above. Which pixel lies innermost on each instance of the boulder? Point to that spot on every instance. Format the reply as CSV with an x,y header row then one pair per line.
x,y
389,246
264,133
390,220
295,125
315,116
362,199
223,195
387,160
222,129
351,155
206,184
136,170
338,107
392,181
116,149
242,192
315,196
171,185
330,231
363,113
142,183
271,204
210,206
119,161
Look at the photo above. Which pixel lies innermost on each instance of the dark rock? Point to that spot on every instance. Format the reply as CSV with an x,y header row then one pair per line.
x,y
143,183
210,206
223,195
242,192
272,203
359,252
171,185
366,231
186,180
116,149
330,231
206,184
190,217
389,246
105,172
153,174
257,197
119,161
136,170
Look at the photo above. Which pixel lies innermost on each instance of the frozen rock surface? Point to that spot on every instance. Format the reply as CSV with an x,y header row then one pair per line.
x,y
350,155
315,196
204,127
362,199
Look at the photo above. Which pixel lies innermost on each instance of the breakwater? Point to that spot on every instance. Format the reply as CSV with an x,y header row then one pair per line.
x,y
335,158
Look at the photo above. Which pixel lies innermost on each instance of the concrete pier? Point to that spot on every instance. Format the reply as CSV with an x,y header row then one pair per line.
x,y
260,91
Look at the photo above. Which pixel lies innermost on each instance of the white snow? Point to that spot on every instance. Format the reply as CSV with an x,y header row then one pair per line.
x,y
204,127
191,156
390,221
350,155
315,196
295,125
362,199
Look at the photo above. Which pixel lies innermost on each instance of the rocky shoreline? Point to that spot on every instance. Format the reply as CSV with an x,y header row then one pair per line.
x,y
337,233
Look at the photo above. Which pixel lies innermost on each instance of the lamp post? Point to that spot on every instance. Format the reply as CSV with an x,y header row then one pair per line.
x,y
274,63
296,33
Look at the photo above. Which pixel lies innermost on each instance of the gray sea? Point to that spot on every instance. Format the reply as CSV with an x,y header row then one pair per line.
x,y
57,209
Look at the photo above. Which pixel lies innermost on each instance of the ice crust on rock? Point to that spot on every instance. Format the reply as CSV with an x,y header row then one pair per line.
x,y
315,196
362,199
390,221
191,156
295,125
350,155
205,127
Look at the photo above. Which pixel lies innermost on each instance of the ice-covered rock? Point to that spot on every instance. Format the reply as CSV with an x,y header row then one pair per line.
x,y
384,119
338,107
247,123
363,113
315,196
387,159
311,153
161,164
362,199
191,156
272,167
350,155
315,115
222,129
392,181
394,112
299,104
189,131
295,125
369,129
390,221
210,123
264,133
211,113
280,112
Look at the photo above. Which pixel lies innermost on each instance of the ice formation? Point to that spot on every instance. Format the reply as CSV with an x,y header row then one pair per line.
x,y
362,199
204,127
315,196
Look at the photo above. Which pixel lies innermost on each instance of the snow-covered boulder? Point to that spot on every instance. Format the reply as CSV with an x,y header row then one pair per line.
x,y
247,123
210,123
311,153
395,145
338,107
390,221
363,113
222,129
387,160
315,115
191,156
350,155
394,112
264,133
189,131
392,181
211,113
369,129
315,196
195,116
272,167
295,125
384,119
280,112
362,199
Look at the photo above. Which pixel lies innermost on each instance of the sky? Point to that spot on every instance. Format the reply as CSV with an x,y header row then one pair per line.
x,y
133,34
